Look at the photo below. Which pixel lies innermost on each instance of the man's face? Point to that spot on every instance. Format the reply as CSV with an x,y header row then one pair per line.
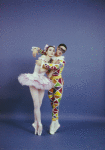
x,y
60,50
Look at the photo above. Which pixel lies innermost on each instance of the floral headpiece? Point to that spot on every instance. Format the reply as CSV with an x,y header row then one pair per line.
x,y
46,46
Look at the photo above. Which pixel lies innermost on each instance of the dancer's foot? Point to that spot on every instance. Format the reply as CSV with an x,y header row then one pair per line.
x,y
40,128
35,127
57,126
52,127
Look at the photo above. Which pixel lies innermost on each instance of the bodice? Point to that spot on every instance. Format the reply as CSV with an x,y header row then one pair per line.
x,y
39,69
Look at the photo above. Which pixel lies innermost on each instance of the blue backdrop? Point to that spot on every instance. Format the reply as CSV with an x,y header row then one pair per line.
x,y
77,23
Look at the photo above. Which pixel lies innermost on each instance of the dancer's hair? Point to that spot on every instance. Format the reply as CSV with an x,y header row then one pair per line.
x,y
62,45
49,47
51,60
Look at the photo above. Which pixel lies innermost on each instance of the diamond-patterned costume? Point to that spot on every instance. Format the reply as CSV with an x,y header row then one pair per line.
x,y
55,94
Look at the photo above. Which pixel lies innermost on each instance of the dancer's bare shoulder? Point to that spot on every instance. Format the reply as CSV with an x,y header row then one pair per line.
x,y
43,56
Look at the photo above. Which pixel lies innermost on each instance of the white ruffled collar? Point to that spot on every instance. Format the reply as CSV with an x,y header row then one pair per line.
x,y
59,57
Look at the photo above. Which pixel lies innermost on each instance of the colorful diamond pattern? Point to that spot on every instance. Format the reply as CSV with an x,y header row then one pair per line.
x,y
55,95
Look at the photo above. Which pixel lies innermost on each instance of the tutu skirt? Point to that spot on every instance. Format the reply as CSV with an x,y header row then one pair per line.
x,y
39,81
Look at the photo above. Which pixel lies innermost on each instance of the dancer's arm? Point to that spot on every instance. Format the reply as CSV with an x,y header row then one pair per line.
x,y
50,66
37,50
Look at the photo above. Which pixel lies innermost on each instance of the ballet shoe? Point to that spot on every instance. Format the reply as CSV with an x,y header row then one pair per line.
x,y
57,126
52,127
35,127
40,128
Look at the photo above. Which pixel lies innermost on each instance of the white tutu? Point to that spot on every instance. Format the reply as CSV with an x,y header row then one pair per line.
x,y
39,81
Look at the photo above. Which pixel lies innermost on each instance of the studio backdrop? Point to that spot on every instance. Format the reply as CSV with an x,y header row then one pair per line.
x,y
78,24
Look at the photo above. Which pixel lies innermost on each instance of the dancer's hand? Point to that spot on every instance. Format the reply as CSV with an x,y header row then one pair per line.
x,y
35,51
39,62
57,62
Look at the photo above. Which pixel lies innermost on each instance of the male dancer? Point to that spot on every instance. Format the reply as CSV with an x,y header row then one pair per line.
x,y
54,94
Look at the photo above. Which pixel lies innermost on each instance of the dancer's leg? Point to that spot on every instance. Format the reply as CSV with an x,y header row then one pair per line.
x,y
57,95
55,110
41,95
58,90
31,88
35,96
51,96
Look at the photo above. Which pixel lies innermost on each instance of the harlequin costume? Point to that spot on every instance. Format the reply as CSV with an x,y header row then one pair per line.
x,y
55,94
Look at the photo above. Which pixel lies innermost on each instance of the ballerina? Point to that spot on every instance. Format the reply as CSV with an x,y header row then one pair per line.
x,y
38,83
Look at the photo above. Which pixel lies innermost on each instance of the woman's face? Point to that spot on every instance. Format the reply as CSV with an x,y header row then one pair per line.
x,y
51,51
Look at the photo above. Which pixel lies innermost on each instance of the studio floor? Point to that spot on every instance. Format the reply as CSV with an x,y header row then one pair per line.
x,y
18,134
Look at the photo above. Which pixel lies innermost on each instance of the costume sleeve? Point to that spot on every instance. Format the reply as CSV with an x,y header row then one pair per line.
x,y
53,66
42,52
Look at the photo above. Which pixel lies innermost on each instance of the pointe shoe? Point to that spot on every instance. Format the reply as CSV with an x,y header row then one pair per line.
x,y
35,127
40,128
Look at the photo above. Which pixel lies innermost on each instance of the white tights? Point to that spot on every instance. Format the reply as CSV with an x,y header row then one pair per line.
x,y
37,96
